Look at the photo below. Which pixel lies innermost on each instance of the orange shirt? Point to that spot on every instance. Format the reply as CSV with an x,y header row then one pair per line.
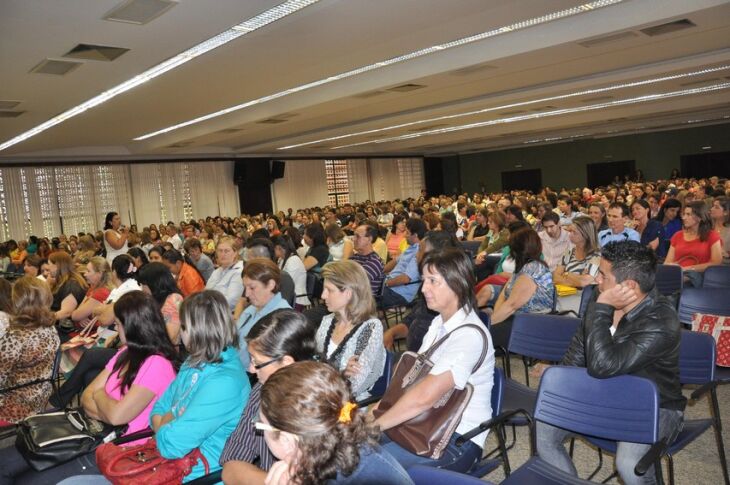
x,y
189,281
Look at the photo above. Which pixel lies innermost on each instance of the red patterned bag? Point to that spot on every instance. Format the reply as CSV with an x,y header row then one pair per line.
x,y
138,464
719,327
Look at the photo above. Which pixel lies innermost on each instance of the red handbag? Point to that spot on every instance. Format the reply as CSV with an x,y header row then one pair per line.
x,y
133,465
719,327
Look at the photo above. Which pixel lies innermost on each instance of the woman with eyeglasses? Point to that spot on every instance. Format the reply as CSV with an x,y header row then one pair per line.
x,y
311,424
276,341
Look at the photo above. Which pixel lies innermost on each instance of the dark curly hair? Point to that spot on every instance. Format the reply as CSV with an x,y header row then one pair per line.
x,y
305,399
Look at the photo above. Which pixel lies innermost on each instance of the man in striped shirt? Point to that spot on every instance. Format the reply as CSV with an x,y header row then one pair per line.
x,y
366,257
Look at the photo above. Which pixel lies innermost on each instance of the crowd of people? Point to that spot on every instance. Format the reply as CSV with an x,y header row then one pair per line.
x,y
218,329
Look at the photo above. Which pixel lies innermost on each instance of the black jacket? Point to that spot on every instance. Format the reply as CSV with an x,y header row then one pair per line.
x,y
645,344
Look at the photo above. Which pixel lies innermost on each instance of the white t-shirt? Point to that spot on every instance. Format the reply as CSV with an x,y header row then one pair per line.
x,y
295,267
112,253
459,354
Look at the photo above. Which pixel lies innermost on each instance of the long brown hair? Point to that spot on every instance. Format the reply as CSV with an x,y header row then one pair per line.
x,y
307,399
66,270
32,300
525,246
699,209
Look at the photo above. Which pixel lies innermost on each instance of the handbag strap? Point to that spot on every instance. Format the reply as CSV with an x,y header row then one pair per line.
x,y
443,339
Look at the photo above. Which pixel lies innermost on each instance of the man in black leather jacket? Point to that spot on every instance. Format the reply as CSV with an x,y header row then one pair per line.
x,y
629,329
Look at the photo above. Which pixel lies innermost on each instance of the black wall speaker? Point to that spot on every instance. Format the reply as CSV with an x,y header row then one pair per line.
x,y
277,169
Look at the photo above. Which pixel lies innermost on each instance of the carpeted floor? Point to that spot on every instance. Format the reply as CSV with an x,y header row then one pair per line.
x,y
697,464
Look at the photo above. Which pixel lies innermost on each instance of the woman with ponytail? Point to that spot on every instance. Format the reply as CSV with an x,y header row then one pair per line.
x,y
312,425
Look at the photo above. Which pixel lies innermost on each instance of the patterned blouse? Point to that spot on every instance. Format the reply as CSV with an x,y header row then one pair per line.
x,y
26,355
587,265
542,300
365,340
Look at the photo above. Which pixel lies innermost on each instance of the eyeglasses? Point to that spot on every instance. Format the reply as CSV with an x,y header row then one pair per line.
x,y
261,366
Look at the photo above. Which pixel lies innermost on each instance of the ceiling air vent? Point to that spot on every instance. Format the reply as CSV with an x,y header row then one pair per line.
x,y
139,11
229,131
668,27
404,88
58,68
180,144
369,94
7,104
466,71
10,114
608,39
95,52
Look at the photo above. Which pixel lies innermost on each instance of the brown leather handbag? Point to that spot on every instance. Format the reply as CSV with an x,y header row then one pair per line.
x,y
429,433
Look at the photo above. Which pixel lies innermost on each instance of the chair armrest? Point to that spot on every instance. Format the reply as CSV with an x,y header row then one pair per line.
x,y
209,479
656,451
700,391
138,435
497,420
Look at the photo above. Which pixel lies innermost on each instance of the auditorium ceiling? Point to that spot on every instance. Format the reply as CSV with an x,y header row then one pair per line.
x,y
347,78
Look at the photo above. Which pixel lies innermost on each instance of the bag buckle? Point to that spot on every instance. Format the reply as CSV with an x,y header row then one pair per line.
x,y
141,457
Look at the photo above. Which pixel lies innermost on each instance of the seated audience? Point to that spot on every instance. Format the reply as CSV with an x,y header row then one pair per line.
x,y
555,239
155,279
124,279
597,212
618,217
261,279
479,229
448,288
366,256
155,254
32,266
194,250
697,246
123,393
396,236
669,217
402,282
6,305
28,350
318,253
188,278
203,404
138,256
530,289
277,340
351,336
227,277
566,212
629,329
292,264
98,276
650,231
67,285
340,247
496,238
579,265
720,215
311,424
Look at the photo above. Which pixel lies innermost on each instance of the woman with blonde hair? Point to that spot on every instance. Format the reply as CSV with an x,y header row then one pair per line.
x,y
579,265
351,336
311,424
28,349
99,278
68,286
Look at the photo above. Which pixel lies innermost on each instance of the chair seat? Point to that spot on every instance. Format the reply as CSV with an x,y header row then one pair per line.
x,y
518,396
539,472
692,429
426,475
722,374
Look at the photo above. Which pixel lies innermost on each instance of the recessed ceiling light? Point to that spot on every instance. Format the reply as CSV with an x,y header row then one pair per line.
x,y
569,12
516,105
545,114
707,147
265,18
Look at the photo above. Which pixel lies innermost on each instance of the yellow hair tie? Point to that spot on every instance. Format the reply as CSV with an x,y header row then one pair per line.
x,y
346,412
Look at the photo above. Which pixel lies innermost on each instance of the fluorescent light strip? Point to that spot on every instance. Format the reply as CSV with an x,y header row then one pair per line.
x,y
612,104
514,105
394,60
250,25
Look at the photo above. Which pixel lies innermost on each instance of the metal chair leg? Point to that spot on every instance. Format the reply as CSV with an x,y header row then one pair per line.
x,y
717,425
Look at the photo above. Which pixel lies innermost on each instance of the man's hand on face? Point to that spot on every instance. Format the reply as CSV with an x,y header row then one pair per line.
x,y
619,296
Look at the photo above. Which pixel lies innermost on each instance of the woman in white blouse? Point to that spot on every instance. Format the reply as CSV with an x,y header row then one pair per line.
x,y
227,276
351,336
292,264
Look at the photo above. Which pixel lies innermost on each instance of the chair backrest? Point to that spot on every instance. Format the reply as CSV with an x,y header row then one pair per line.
x,y
696,358
714,301
428,475
585,298
497,391
383,381
717,277
471,247
668,279
543,337
623,408
486,319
